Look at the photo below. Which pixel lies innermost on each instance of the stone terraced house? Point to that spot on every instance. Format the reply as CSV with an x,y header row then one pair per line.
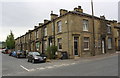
x,y
73,32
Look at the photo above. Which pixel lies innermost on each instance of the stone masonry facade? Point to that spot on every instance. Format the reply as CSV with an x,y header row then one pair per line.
x,y
73,32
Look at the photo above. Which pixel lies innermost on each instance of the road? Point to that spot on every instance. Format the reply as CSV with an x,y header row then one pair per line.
x,y
100,66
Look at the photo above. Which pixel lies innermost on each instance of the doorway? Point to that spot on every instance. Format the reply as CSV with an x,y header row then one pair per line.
x,y
103,46
76,45
115,43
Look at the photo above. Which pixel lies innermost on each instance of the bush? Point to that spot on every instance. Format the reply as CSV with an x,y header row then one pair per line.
x,y
51,50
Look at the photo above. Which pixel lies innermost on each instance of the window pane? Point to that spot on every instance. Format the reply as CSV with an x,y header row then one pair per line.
x,y
86,38
60,43
86,43
59,26
85,25
109,43
37,46
45,31
45,45
108,28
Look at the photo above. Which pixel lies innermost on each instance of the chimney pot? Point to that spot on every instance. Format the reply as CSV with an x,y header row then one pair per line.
x,y
63,11
51,12
79,7
35,27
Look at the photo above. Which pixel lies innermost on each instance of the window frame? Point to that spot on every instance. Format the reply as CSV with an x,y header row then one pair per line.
x,y
45,45
85,25
118,33
59,26
45,31
30,35
37,44
109,29
24,39
88,42
36,34
109,43
59,43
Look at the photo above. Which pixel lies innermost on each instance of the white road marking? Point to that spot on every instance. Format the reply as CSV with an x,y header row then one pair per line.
x,y
42,68
32,69
6,75
55,65
65,64
49,67
24,68
73,63
58,65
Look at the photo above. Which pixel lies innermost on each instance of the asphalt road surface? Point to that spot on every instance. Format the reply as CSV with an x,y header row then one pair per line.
x,y
99,66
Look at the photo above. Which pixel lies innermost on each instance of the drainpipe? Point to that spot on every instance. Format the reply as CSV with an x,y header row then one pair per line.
x,y
68,37
42,40
54,30
93,52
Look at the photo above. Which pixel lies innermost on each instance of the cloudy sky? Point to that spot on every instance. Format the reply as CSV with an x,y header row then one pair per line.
x,y
22,15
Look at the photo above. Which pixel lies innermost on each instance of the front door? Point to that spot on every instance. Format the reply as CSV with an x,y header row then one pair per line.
x,y
115,43
76,40
103,46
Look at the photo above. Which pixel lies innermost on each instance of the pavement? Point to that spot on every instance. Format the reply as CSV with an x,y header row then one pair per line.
x,y
101,65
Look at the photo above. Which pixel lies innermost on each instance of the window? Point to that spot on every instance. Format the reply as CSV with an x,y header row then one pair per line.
x,y
24,39
19,40
37,46
59,24
52,27
45,45
31,46
118,34
45,31
59,44
29,35
109,43
108,28
99,44
85,25
36,34
86,43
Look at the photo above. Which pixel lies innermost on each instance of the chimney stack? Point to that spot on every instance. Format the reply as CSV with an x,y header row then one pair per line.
x,y
102,17
53,16
29,30
40,24
35,27
63,11
45,21
78,9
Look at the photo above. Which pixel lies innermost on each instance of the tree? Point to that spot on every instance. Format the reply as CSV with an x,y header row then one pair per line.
x,y
10,41
51,51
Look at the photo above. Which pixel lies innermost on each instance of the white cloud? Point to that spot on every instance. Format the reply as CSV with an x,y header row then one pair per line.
x,y
21,15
